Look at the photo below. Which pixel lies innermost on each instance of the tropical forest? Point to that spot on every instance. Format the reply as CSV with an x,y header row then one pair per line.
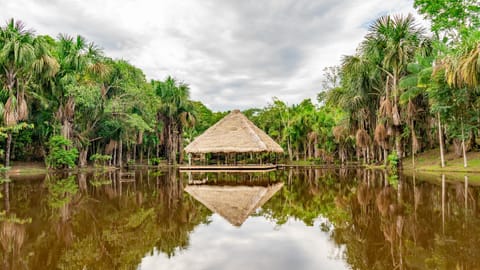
x,y
378,170
405,91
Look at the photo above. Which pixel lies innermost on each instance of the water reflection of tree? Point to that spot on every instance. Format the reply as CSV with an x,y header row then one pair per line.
x,y
132,225
307,195
110,224
383,226
78,225
12,231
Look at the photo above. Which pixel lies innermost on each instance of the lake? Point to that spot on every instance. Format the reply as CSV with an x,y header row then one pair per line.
x,y
297,218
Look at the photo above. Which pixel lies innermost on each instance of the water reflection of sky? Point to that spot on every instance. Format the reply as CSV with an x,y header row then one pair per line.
x,y
258,244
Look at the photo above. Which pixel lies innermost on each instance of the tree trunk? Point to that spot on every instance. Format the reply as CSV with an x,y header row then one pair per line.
x,y
180,145
82,158
119,156
465,164
472,144
290,151
66,129
82,181
385,155
309,149
114,158
8,145
134,153
440,139
6,195
413,147
305,146
398,146
129,153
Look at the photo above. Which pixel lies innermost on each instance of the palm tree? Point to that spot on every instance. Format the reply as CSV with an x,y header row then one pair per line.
x,y
358,96
175,112
77,60
414,96
23,58
462,73
392,42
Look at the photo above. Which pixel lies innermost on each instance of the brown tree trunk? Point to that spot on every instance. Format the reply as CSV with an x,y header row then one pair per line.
x,y
82,158
385,155
134,153
82,181
128,155
465,164
440,139
180,145
66,129
6,195
290,151
114,158
305,146
8,146
142,148
119,156
398,146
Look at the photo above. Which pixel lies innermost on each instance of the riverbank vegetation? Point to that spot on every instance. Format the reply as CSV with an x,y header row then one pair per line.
x,y
406,90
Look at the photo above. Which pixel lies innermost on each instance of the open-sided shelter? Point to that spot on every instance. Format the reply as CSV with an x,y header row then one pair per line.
x,y
233,134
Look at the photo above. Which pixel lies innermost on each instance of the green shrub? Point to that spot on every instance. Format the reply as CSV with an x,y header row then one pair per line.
x,y
100,159
154,161
60,154
393,160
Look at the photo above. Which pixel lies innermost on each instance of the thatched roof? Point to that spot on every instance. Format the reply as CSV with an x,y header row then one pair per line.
x,y
234,203
233,134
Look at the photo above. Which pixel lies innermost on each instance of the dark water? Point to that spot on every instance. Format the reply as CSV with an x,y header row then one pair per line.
x,y
287,219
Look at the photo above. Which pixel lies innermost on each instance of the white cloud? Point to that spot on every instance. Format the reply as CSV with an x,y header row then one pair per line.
x,y
257,244
233,54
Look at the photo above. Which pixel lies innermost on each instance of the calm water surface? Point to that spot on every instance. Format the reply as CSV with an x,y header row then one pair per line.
x,y
286,219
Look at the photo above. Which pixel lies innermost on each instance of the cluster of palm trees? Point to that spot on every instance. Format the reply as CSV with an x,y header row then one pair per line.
x,y
304,130
402,83
401,92
68,87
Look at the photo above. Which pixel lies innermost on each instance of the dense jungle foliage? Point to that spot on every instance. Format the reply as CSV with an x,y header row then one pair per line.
x,y
405,90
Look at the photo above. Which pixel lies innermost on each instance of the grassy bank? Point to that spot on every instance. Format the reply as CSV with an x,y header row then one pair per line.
x,y
427,167
429,161
27,168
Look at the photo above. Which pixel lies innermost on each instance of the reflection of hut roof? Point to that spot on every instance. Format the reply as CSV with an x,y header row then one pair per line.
x,y
233,134
234,203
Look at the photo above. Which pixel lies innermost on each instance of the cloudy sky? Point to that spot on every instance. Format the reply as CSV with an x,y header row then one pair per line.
x,y
233,54
258,244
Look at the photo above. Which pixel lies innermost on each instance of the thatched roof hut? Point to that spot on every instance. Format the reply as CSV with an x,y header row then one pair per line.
x,y
234,203
235,133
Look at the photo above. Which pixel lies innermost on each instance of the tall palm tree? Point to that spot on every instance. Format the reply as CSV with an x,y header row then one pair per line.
x,y
175,112
78,59
23,58
393,42
462,72
359,95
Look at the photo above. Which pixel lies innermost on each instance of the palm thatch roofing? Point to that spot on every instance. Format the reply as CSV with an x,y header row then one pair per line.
x,y
233,203
234,133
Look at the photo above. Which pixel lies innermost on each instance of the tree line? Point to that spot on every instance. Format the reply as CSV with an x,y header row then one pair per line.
x,y
64,101
405,90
